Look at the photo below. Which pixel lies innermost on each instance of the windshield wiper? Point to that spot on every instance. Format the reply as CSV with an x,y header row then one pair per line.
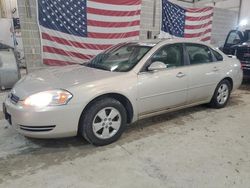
x,y
97,66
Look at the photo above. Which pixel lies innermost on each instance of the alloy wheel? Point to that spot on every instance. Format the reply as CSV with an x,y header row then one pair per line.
x,y
223,93
106,123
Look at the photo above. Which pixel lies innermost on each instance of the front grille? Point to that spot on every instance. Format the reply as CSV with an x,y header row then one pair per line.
x,y
243,54
37,128
14,98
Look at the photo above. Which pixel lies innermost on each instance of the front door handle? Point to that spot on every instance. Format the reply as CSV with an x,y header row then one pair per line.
x,y
180,75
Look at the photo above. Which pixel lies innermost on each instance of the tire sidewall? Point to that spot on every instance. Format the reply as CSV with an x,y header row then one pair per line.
x,y
86,127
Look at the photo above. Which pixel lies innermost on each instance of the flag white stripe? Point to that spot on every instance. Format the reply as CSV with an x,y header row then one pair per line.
x,y
167,35
113,30
200,22
102,18
199,14
63,58
193,31
202,37
104,6
70,48
87,40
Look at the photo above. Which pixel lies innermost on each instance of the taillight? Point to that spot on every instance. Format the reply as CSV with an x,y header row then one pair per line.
x,y
241,65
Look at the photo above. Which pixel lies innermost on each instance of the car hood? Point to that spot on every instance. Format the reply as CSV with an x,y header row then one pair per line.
x,y
58,78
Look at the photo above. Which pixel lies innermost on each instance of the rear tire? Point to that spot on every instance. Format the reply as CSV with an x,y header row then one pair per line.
x,y
221,95
103,122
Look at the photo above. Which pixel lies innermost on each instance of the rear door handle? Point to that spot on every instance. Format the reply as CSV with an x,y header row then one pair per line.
x,y
180,75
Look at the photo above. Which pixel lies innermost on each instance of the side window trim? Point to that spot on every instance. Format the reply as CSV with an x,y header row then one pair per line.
x,y
214,57
187,62
214,60
148,63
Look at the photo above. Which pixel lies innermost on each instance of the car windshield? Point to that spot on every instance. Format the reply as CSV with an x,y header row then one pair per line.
x,y
120,58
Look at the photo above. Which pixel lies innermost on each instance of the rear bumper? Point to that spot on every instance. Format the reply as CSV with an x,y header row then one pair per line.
x,y
237,80
52,122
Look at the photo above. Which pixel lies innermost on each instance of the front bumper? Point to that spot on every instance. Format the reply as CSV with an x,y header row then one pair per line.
x,y
49,122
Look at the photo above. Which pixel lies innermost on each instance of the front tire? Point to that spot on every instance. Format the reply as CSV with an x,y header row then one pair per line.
x,y
103,122
221,94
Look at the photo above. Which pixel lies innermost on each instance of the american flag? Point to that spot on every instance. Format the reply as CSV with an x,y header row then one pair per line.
x,y
193,23
73,31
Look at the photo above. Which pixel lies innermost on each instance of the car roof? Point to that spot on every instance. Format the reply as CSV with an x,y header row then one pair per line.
x,y
150,43
154,42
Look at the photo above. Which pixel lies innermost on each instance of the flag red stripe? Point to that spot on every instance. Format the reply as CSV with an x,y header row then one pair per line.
x,y
191,18
66,53
112,13
74,43
113,24
113,35
54,62
206,39
198,26
199,10
120,2
193,35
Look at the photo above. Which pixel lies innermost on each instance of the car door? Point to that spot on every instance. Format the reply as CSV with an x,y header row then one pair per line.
x,y
234,38
167,88
203,71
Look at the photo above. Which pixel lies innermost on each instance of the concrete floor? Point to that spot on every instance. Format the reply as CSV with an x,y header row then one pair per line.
x,y
196,147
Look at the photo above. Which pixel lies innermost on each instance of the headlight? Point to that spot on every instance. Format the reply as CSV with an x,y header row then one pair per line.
x,y
48,98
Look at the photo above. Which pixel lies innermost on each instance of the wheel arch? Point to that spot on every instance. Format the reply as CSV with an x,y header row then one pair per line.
x,y
230,81
119,97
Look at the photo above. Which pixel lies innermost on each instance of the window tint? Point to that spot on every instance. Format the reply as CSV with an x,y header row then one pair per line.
x,y
171,55
198,54
217,56
233,38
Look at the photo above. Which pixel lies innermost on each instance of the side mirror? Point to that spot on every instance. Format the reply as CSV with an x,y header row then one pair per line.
x,y
157,65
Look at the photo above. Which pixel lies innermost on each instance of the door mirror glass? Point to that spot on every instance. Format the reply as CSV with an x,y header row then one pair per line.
x,y
157,65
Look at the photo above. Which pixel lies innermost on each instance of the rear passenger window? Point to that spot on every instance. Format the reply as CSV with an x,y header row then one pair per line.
x,y
198,54
217,56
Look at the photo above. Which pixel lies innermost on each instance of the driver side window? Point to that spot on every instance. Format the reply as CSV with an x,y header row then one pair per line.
x,y
170,55
233,38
